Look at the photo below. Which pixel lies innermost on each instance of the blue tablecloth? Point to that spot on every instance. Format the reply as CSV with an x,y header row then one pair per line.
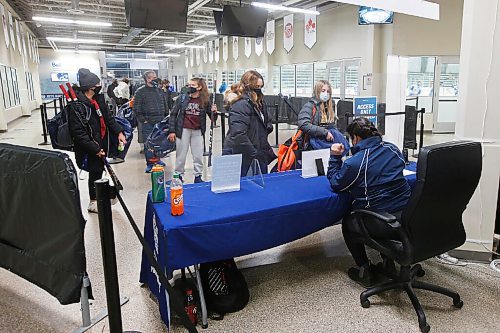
x,y
227,225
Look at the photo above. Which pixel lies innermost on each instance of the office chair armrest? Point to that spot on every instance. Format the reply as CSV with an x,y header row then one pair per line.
x,y
383,216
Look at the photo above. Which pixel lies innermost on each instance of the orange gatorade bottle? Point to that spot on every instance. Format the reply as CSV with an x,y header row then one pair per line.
x,y
176,196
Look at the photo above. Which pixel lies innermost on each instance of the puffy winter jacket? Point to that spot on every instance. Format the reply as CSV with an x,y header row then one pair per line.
x,y
373,176
176,122
311,126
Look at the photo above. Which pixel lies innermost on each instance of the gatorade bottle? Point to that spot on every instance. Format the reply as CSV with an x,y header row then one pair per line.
x,y
176,196
158,183
190,307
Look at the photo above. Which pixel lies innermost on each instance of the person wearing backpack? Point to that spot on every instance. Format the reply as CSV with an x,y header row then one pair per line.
x,y
249,124
90,122
188,123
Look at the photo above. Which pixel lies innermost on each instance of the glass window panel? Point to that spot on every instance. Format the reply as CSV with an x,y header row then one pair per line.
x,y
304,84
420,76
449,80
352,80
231,77
335,79
4,86
276,80
288,80
320,71
239,74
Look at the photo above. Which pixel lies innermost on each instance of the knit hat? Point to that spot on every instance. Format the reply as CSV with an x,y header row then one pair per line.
x,y
87,79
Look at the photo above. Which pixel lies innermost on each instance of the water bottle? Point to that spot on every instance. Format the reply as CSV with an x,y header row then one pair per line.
x,y
176,196
190,307
121,146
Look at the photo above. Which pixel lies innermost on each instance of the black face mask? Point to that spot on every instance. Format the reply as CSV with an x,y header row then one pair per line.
x,y
191,90
258,91
96,90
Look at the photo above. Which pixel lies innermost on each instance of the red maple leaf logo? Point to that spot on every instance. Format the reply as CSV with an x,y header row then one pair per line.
x,y
310,26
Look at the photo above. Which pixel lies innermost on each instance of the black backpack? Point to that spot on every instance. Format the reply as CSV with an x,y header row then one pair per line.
x,y
224,286
58,127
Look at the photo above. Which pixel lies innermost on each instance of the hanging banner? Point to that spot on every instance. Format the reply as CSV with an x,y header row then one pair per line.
x,y
248,47
11,30
310,29
259,46
23,40
205,53
198,57
216,50
18,36
37,53
211,52
191,57
235,48
28,43
186,58
288,32
4,23
270,36
225,47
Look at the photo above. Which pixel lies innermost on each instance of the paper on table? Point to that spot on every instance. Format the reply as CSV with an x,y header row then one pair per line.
x,y
226,173
309,162
408,172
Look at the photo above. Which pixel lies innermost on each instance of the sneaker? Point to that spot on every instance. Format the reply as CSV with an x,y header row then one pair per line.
x,y
148,169
115,160
364,275
92,208
197,179
160,162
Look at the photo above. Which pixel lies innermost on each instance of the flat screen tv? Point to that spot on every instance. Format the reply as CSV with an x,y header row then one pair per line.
x,y
168,15
243,21
59,77
370,15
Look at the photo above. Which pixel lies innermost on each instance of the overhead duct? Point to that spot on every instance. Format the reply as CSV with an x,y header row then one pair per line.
x,y
75,7
132,33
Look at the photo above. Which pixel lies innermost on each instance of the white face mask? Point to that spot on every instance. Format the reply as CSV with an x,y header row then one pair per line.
x,y
324,96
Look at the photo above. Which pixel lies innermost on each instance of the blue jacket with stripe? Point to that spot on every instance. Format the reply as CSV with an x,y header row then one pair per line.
x,y
373,176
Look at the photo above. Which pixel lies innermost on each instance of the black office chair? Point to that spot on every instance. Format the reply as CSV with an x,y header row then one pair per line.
x,y
431,223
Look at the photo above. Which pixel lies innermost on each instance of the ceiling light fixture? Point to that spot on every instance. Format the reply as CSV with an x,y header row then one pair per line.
x,y
279,7
205,32
74,40
69,21
76,51
163,55
180,46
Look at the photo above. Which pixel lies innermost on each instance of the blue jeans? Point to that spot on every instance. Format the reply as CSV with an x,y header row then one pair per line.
x,y
150,156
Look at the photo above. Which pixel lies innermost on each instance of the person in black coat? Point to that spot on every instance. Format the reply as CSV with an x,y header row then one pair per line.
x,y
90,121
250,125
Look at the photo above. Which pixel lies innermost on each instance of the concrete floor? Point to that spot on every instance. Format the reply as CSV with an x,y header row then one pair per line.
x,y
296,287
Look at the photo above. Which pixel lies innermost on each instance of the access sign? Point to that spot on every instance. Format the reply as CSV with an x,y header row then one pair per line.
x,y
365,106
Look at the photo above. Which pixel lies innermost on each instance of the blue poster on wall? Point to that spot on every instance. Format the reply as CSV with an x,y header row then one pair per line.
x,y
364,106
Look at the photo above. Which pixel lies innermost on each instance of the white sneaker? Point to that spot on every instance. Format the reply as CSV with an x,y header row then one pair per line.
x,y
92,208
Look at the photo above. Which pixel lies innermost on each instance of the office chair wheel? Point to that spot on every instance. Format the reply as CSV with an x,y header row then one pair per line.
x,y
365,303
420,272
458,304
425,328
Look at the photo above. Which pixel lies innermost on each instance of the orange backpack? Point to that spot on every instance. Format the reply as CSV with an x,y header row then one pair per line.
x,y
287,152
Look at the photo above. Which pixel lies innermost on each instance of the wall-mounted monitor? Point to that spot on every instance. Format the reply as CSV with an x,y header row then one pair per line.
x,y
242,21
168,15
370,15
59,77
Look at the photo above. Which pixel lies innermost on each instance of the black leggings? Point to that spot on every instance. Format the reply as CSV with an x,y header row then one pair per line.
x,y
93,176
354,239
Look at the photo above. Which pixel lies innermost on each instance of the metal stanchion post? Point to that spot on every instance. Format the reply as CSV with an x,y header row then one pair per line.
x,y
276,117
223,127
43,116
61,105
109,255
55,106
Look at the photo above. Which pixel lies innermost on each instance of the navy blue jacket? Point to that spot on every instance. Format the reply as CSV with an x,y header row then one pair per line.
x,y
373,176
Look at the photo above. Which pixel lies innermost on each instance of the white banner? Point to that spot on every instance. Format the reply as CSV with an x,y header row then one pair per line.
x,y
11,30
216,50
225,48
235,48
288,32
248,47
198,57
270,36
205,52
310,28
191,57
37,53
23,40
186,58
4,23
28,44
210,51
18,36
259,46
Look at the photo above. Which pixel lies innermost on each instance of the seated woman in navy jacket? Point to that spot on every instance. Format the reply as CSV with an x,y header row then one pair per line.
x,y
373,177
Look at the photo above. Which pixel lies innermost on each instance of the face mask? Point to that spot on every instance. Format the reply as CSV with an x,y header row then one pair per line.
x,y
258,91
191,90
324,96
97,90
154,84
